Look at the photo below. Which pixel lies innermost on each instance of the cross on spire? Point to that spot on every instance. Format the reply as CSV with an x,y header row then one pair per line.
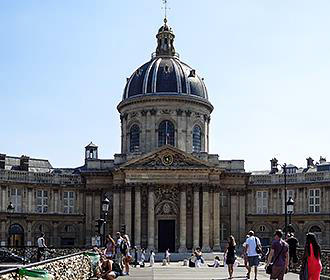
x,y
165,9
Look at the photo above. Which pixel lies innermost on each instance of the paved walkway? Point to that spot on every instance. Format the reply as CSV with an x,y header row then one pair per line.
x,y
175,271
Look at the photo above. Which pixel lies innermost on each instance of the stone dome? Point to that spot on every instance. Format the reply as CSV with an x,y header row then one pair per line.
x,y
165,73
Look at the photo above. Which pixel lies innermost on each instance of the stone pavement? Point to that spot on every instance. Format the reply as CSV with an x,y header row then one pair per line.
x,y
175,271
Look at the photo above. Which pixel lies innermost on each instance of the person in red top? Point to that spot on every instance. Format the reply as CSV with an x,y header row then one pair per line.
x,y
313,255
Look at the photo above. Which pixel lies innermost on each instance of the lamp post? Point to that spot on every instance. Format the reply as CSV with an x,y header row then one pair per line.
x,y
285,197
10,210
105,209
290,204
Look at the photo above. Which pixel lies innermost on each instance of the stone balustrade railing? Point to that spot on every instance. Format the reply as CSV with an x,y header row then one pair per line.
x,y
291,178
76,266
325,259
39,177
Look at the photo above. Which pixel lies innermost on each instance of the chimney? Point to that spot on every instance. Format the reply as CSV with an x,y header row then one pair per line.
x,y
24,163
322,159
310,162
273,166
2,161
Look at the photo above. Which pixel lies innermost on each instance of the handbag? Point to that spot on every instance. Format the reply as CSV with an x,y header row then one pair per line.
x,y
303,274
269,267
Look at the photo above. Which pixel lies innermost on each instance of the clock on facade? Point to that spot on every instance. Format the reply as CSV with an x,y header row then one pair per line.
x,y
167,159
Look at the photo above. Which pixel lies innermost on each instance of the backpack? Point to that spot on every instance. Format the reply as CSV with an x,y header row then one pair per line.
x,y
123,247
116,267
258,247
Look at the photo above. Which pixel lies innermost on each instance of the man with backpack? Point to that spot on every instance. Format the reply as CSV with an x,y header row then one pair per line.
x,y
253,250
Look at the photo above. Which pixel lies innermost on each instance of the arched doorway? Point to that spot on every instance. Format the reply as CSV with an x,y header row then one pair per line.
x,y
16,235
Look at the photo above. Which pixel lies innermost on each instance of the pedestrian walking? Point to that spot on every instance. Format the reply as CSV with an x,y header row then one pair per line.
x,y
110,246
41,246
125,247
152,258
278,256
293,259
252,243
313,255
143,257
167,256
230,255
119,256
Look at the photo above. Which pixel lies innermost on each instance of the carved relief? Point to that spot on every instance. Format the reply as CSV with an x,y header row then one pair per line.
x,y
144,113
166,208
166,111
167,193
188,113
153,112
179,112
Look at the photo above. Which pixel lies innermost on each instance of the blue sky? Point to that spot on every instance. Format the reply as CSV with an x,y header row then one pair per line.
x,y
266,64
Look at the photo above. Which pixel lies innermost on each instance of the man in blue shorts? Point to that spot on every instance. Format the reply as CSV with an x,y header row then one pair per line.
x,y
253,257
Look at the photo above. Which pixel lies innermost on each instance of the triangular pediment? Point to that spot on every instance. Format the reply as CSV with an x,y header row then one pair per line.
x,y
166,157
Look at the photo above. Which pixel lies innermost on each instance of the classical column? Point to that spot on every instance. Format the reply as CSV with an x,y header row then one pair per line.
x,y
196,218
216,217
151,219
137,232
183,220
29,241
242,207
3,233
115,218
206,221
128,210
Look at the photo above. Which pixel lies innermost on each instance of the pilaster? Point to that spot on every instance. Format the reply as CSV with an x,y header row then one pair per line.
x,y
151,219
183,220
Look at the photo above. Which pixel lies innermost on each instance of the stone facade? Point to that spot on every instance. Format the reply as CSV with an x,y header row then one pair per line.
x,y
165,189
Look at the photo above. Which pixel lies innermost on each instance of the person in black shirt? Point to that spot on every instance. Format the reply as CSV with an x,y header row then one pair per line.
x,y
293,244
230,255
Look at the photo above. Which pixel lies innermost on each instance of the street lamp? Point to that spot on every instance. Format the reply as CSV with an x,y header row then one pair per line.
x,y
10,210
290,204
105,209
285,195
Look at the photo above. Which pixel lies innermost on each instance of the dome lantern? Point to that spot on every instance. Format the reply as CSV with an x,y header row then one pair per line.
x,y
165,39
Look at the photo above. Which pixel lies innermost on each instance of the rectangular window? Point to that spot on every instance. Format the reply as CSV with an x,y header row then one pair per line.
x,y
314,200
223,199
16,199
68,202
262,202
289,193
223,231
42,201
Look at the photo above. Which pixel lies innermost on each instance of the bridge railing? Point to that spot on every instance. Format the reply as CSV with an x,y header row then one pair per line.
x,y
29,253
77,266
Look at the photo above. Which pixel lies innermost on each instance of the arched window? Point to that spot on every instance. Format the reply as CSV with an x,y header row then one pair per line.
x,y
134,138
197,139
165,133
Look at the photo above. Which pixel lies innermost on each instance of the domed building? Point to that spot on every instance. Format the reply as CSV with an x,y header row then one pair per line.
x,y
165,102
165,189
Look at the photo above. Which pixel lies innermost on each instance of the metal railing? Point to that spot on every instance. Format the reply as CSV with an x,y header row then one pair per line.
x,y
325,260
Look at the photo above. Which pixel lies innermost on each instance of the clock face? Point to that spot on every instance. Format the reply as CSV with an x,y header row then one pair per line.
x,y
167,159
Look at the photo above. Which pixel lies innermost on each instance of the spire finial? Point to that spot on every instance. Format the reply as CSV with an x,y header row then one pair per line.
x,y
165,10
